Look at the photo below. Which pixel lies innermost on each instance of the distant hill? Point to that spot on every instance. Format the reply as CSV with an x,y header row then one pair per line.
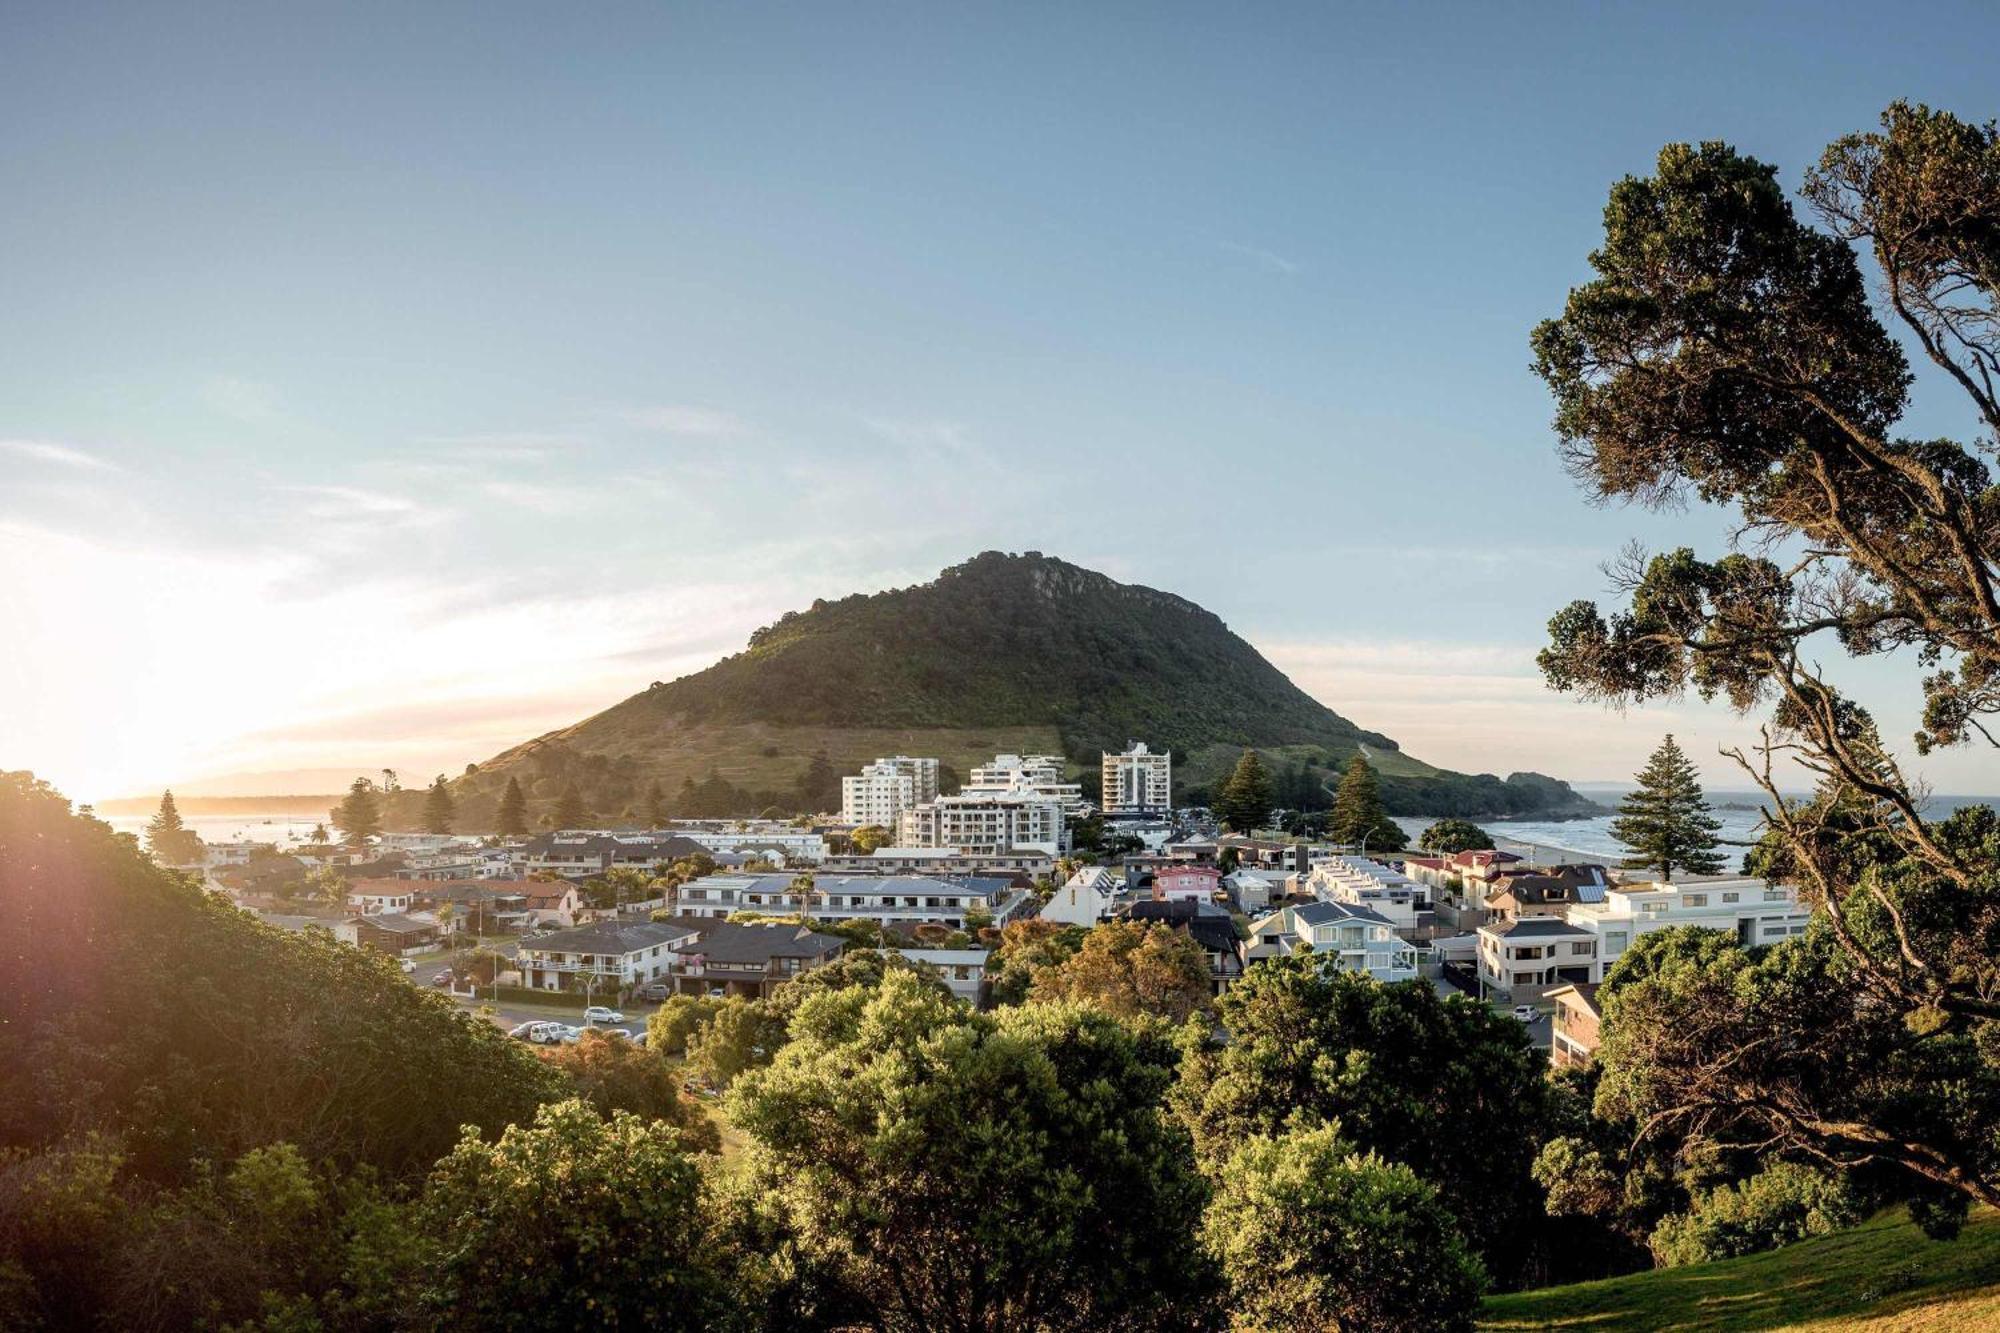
x,y
1004,652
1882,1275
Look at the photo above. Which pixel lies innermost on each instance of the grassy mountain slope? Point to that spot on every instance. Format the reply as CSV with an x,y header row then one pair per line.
x,y
1882,1275
1000,653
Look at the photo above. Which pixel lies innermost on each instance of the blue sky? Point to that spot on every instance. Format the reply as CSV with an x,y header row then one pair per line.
x,y
383,385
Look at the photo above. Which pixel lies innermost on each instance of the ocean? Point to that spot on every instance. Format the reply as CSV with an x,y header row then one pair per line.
x,y
280,828
1559,839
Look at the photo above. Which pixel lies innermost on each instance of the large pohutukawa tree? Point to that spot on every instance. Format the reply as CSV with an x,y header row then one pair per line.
x,y
1729,351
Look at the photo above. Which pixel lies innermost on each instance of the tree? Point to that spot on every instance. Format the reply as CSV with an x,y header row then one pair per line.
x,y
319,835
613,1075
656,806
1359,818
1728,350
439,808
674,1023
574,1221
570,812
1130,969
868,837
948,1169
512,819
1244,802
1448,1088
741,1034
171,841
1448,837
359,814
1665,821
1314,1235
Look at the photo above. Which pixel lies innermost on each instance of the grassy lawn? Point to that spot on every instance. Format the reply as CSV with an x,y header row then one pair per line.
x,y
1882,1275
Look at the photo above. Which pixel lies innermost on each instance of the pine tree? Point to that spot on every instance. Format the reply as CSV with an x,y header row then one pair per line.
x,y
1245,799
656,806
1359,818
439,808
512,821
172,842
359,815
1665,822
570,811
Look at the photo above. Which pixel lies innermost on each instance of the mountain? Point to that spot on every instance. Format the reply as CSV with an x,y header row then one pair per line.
x,y
1002,653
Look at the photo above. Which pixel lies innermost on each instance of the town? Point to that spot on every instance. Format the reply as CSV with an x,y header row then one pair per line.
x,y
604,924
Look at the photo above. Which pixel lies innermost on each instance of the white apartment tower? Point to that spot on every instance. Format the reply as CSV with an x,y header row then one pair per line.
x,y
1138,782
1039,774
883,790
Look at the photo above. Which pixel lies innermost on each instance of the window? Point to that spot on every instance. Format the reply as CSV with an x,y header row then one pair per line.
x,y
1731,897
1615,941
1694,900
1580,950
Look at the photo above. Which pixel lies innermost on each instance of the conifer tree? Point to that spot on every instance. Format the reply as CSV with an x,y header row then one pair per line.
x,y
172,842
1359,817
512,820
1665,821
439,808
656,806
570,810
1245,799
359,814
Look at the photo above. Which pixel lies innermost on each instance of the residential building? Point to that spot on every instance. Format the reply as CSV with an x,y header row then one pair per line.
x,y
1023,866
1577,1025
393,933
1549,891
987,823
1754,911
1339,936
1250,891
551,902
1186,883
750,959
1039,774
883,790
963,971
902,901
369,896
1360,882
1086,899
604,956
1525,959
1208,926
758,837
1137,782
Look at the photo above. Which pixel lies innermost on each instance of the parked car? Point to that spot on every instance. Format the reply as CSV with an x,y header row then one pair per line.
x,y
524,1031
1526,1013
655,991
566,1035
442,980
626,1033
598,1013
407,966
716,992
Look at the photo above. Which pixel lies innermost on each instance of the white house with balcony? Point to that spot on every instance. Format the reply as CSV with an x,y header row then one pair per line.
x,y
1753,910
1342,937
1529,956
962,971
901,901
602,957
1085,899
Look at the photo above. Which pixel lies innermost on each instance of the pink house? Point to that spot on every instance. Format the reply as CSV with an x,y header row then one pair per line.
x,y
1178,884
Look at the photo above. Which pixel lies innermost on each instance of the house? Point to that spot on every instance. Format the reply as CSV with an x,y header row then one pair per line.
x,y
369,896
1343,937
1527,958
1754,911
603,957
1022,866
1250,891
569,855
1482,865
551,902
392,933
750,959
476,905
1359,882
890,900
1512,894
1085,899
1186,883
1204,923
962,970
1578,1022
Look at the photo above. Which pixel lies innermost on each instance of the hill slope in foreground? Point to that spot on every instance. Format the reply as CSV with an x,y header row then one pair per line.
x,y
1003,653
1882,1275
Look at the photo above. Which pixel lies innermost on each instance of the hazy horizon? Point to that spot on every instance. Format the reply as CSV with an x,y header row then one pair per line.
x,y
383,388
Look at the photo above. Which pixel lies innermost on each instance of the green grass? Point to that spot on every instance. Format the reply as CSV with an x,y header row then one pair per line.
x,y
1881,1275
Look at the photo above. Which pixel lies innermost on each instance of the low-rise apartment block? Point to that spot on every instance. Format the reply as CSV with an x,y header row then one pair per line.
x,y
900,901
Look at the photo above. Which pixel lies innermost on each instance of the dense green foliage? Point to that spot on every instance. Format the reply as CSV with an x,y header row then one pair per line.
x,y
439,808
512,819
945,1169
1312,1234
359,814
170,840
1448,837
1244,802
1359,817
1665,821
1785,1203
1445,1087
1130,969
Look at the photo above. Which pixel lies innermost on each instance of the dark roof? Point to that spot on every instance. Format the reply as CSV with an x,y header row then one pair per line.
x,y
1212,931
1586,994
393,922
677,847
760,941
611,937
1325,913
1529,926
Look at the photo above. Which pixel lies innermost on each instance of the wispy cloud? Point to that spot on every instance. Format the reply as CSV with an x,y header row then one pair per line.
x,y
62,455
353,504
686,419
1268,260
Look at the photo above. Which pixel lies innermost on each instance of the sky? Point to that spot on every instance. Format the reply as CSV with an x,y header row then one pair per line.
x,y
384,385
